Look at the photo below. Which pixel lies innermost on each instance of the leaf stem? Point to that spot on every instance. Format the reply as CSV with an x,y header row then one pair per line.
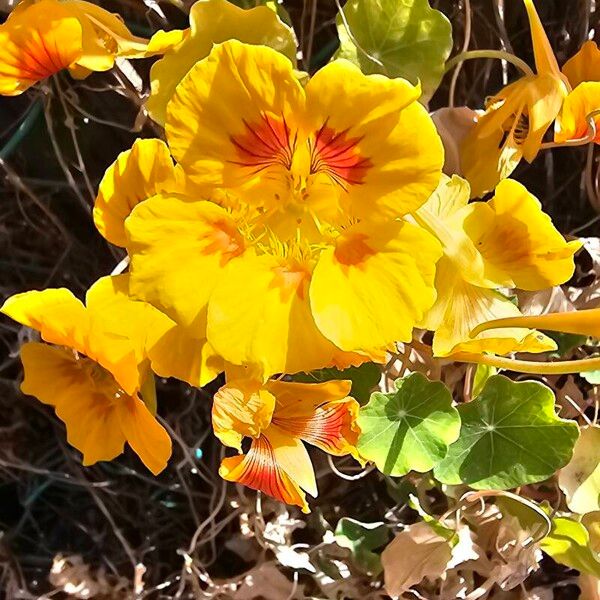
x,y
498,54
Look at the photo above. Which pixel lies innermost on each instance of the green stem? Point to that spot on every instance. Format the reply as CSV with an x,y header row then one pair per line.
x,y
497,54
564,367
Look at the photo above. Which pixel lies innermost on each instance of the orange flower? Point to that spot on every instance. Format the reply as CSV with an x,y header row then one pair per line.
x,y
279,417
91,374
41,38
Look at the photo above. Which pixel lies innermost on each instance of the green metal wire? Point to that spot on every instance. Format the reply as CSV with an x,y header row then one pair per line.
x,y
26,125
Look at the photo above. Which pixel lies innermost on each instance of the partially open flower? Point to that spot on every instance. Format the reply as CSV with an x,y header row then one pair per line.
x,y
96,377
279,416
516,119
42,37
507,242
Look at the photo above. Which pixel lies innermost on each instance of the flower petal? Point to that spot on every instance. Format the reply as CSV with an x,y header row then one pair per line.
x,y
176,353
583,66
178,250
373,139
241,408
53,376
461,305
518,241
372,288
248,148
578,106
259,470
259,314
37,41
147,438
59,317
545,61
143,171
321,414
213,22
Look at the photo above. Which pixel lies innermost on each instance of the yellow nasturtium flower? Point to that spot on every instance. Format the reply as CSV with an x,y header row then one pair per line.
x,y
507,242
303,262
93,368
213,22
279,417
516,118
41,38
583,73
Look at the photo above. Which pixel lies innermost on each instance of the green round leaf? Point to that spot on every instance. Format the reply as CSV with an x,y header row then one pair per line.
x,y
399,39
361,539
510,436
409,430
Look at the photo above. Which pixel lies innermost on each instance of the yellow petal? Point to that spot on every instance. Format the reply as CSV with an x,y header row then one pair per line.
x,y
518,241
147,438
213,22
59,317
177,353
584,66
37,41
374,139
443,215
259,314
231,122
143,171
461,305
178,250
372,288
578,108
581,322
53,376
241,408
545,61
259,470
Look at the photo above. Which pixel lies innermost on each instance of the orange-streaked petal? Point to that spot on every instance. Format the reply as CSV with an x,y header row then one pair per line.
x,y
143,171
580,322
321,414
584,66
146,436
248,149
37,41
373,139
241,408
259,470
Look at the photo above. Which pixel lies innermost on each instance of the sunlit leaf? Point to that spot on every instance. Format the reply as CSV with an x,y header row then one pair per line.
x,y
409,429
568,544
482,374
399,39
510,436
362,539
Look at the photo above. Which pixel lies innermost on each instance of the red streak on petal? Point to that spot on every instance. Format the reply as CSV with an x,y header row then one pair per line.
x,y
331,428
260,471
266,143
337,154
